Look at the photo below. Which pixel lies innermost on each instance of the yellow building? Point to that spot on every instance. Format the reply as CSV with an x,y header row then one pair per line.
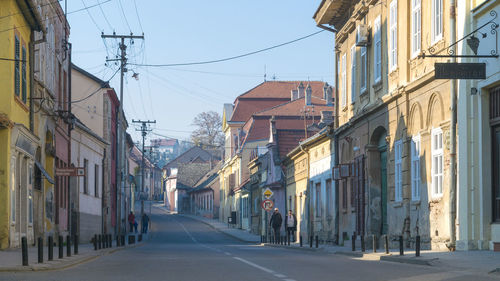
x,y
393,118
18,144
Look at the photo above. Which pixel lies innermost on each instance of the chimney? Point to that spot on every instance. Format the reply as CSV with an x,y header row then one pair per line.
x,y
326,117
329,96
308,95
325,90
301,90
295,94
272,130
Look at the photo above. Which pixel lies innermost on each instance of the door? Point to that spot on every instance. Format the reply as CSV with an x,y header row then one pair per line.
x,y
496,173
383,188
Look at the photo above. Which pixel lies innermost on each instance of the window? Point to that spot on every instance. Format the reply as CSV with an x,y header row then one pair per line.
x,y
96,180
398,172
416,27
377,50
437,162
437,20
344,83
393,33
415,168
23,76
86,177
17,70
329,197
318,199
353,73
363,61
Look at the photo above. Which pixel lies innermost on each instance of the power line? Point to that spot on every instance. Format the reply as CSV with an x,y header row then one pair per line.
x,y
90,15
104,15
95,92
29,9
123,13
138,17
234,57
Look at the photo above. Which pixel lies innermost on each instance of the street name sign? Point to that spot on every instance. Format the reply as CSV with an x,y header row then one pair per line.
x,y
70,172
267,205
267,193
459,70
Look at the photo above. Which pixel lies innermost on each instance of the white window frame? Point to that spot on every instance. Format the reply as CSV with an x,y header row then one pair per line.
x,y
416,27
364,65
437,158
377,64
344,81
353,73
393,33
398,170
415,168
437,21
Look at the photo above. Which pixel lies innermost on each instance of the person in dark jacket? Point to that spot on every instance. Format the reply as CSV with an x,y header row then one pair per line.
x,y
131,219
275,223
291,225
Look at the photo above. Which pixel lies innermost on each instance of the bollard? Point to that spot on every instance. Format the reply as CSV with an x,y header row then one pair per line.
x,y
123,241
99,241
40,250
75,243
310,241
300,238
24,245
95,242
374,243
131,239
386,244
139,237
110,239
317,241
288,239
363,243
68,246
417,246
104,241
61,246
401,250
353,242
51,248
117,240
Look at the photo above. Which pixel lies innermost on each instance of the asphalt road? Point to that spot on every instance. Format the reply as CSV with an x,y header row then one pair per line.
x,y
184,249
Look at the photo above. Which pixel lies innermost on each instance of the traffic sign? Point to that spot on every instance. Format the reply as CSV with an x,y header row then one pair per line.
x,y
268,193
70,171
267,205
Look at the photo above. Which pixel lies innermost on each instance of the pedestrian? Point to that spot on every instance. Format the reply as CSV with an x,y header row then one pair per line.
x,y
291,225
145,223
275,223
131,219
135,226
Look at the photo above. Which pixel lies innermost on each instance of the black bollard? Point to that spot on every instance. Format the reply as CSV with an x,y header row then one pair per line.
x,y
61,246
353,242
417,246
401,249
139,237
131,239
51,248
300,238
123,241
317,241
75,243
99,241
310,241
24,246
374,243
110,239
386,243
95,242
40,250
363,243
288,239
68,246
117,240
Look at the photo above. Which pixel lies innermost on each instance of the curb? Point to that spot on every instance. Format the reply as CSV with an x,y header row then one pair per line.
x,y
350,254
409,260
293,248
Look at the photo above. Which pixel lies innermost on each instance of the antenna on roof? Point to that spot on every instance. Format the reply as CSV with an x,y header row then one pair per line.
x,y
274,77
265,73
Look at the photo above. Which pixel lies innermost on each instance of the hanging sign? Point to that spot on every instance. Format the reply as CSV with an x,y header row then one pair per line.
x,y
70,172
460,70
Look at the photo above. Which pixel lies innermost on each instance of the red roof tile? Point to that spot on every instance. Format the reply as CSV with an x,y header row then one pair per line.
x,y
245,108
296,107
282,89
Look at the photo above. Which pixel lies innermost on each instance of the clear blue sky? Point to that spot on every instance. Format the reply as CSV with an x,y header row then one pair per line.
x,y
198,30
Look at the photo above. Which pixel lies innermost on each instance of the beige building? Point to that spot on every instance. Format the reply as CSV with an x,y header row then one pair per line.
x,y
393,118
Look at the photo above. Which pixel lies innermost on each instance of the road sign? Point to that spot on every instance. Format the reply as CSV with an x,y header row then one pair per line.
x,y
460,70
70,172
268,193
267,205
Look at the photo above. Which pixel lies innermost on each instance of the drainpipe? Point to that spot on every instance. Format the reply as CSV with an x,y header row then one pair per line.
x,y
453,133
308,194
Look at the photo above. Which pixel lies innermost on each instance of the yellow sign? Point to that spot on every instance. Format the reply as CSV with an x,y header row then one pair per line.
x,y
268,193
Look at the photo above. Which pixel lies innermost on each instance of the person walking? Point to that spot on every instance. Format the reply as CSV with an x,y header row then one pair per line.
x,y
131,219
135,226
275,223
145,223
291,225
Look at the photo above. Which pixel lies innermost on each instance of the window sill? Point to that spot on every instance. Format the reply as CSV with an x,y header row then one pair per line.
x,y
363,91
344,108
415,202
436,198
397,204
21,103
378,85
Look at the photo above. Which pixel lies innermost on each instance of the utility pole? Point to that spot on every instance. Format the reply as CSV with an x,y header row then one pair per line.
x,y
120,133
144,131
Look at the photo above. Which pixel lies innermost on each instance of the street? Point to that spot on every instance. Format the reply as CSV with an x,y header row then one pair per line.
x,y
185,249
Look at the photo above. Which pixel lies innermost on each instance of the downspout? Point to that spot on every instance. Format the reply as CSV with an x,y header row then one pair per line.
x,y
70,127
308,191
453,134
102,191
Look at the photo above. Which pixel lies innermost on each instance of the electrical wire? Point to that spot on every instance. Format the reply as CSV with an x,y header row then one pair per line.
x,y
97,90
91,17
124,16
104,15
29,9
138,17
234,57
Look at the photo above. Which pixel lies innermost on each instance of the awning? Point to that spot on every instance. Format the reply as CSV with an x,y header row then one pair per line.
x,y
45,174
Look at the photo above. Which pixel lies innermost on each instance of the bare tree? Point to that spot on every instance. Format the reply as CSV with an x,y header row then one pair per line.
x,y
208,132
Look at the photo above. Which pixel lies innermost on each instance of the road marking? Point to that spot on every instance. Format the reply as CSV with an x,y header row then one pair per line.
x,y
254,265
227,253
280,275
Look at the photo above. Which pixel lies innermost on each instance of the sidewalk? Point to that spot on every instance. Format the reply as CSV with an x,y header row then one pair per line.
x,y
475,261
239,234
11,259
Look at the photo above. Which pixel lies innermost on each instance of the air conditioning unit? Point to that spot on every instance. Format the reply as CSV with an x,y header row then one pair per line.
x,y
362,35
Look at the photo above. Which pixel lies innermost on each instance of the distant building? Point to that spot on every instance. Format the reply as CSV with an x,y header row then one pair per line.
x,y
166,145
